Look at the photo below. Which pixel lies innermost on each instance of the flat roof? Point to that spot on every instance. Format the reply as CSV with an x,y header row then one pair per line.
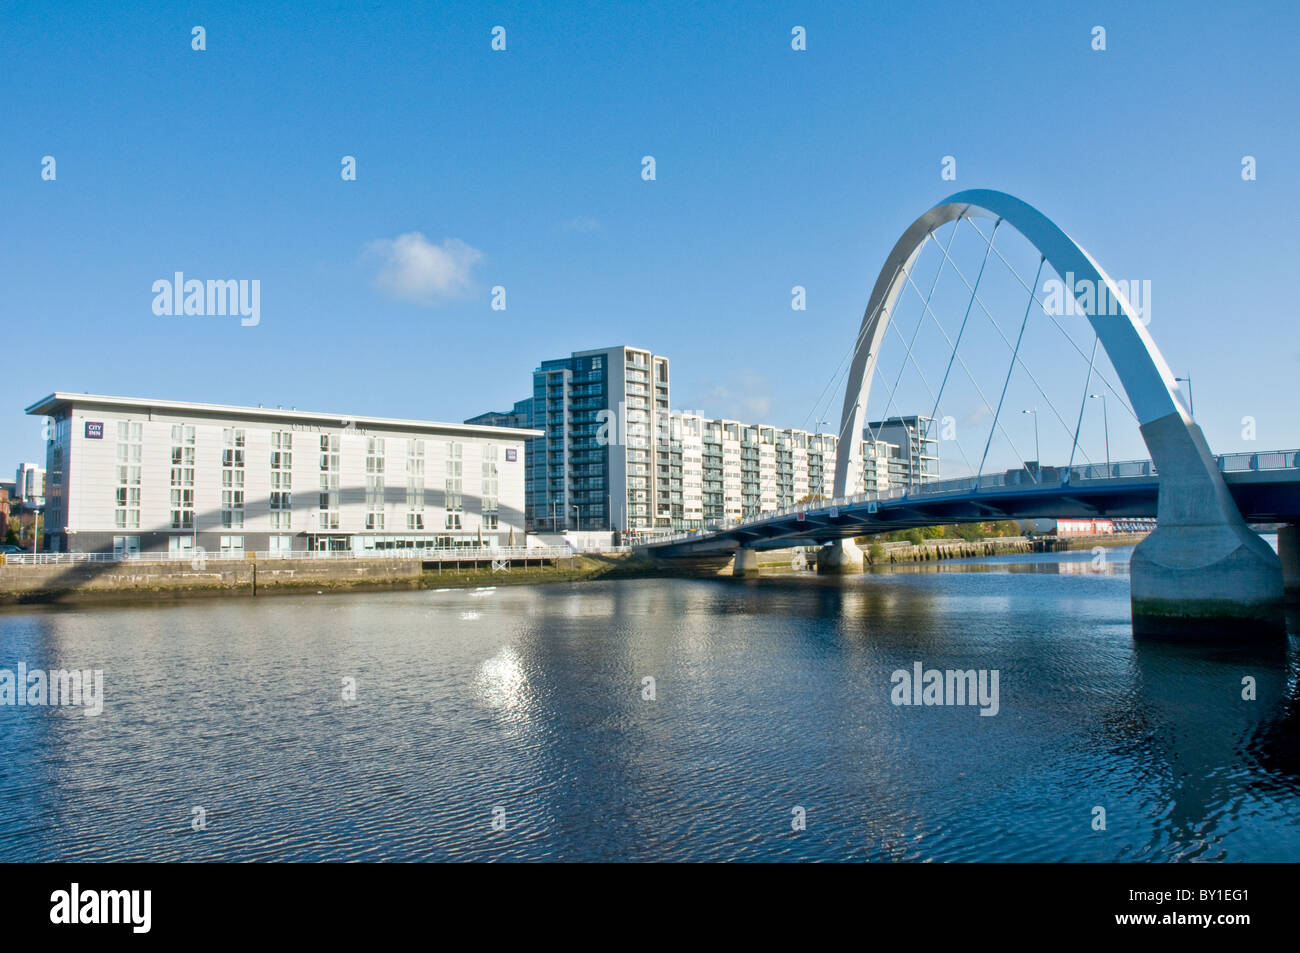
x,y
47,405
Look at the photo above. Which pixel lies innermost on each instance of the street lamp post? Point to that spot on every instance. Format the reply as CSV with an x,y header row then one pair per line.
x,y
1106,421
1038,463
1191,407
578,520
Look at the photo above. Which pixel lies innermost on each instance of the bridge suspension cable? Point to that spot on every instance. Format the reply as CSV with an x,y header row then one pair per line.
x,y
1015,353
1118,392
1015,349
841,371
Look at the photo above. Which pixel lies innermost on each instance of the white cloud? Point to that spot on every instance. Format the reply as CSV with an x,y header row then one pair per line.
x,y
583,223
745,395
414,269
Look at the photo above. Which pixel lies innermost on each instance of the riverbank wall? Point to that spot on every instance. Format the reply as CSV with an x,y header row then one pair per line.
x,y
879,554
940,549
132,581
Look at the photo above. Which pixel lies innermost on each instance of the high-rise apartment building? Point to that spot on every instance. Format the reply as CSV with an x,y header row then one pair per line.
x,y
29,484
918,448
604,460
613,455
521,416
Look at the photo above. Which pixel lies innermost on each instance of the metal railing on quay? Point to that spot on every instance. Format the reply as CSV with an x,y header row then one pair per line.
x,y
464,554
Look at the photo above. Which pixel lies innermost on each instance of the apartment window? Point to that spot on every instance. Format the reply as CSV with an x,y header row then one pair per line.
x,y
374,483
125,547
281,480
232,479
454,500
181,489
415,484
491,484
232,545
329,481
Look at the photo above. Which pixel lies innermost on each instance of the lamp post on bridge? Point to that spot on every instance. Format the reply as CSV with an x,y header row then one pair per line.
x,y
1038,463
1191,407
1106,421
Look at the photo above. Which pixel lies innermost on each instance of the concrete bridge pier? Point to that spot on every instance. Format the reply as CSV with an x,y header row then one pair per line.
x,y
746,563
1203,572
841,557
1288,550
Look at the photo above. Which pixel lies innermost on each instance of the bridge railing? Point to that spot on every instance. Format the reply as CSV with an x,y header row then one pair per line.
x,y
1266,460
1121,470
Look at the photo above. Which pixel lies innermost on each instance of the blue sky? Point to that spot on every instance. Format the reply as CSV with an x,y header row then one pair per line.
x,y
523,169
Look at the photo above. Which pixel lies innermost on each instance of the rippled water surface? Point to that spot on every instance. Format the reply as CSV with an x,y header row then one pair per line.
x,y
769,695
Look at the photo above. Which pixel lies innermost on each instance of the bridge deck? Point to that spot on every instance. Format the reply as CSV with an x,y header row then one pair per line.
x,y
1265,486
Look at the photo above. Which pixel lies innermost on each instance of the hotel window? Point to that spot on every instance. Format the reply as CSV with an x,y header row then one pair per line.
x,y
281,480
233,454
454,500
329,481
126,512
415,484
491,484
374,483
232,479
182,477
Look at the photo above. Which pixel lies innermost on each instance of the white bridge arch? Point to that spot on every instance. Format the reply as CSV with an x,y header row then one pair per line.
x,y
1143,373
1203,561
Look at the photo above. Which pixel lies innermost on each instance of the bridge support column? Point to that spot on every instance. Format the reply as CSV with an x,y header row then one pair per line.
x,y
842,557
1203,572
746,563
1288,549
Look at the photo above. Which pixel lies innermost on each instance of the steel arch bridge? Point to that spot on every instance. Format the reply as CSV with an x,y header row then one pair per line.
x,y
1202,564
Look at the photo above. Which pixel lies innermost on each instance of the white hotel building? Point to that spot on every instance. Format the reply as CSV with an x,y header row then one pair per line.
x,y
126,475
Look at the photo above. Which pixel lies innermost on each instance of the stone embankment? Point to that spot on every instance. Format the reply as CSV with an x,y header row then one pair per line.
x,y
149,580
939,549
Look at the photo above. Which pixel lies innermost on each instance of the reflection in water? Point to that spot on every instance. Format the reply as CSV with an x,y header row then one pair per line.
x,y
501,683
768,693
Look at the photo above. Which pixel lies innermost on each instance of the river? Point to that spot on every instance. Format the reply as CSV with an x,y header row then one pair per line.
x,y
518,723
